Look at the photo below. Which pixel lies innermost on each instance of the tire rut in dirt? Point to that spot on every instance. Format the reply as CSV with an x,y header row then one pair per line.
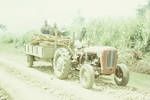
x,y
4,95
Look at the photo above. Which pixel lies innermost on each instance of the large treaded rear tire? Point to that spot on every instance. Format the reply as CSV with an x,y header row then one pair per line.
x,y
62,63
121,76
87,76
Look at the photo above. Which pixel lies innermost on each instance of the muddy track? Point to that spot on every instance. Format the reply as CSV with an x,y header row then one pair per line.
x,y
24,83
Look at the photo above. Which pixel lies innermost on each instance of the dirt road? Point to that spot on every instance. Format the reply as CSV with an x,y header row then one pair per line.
x,y
23,83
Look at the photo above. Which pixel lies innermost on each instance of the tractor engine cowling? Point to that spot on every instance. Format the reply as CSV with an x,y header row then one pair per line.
x,y
108,58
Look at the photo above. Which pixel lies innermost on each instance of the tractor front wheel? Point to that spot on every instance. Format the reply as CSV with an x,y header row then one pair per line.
x,y
87,76
121,76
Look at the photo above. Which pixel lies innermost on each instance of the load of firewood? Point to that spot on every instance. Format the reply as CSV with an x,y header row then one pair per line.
x,y
48,40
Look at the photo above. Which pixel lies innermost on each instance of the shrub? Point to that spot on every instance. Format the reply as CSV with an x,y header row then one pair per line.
x,y
7,38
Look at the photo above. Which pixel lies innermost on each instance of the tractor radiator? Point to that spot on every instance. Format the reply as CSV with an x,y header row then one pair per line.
x,y
108,60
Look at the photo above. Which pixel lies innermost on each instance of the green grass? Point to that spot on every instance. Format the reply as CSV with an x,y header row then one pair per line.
x,y
10,48
17,39
141,81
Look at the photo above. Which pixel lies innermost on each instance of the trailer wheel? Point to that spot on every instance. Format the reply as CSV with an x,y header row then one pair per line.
x,y
30,59
62,63
121,76
87,76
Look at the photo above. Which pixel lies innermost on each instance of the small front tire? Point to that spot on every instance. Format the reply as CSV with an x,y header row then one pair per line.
x,y
121,76
87,76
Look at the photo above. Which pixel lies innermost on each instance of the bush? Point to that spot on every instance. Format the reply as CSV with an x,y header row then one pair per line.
x,y
7,38
23,39
17,39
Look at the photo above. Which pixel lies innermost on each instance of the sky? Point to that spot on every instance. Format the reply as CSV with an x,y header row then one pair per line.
x,y
25,15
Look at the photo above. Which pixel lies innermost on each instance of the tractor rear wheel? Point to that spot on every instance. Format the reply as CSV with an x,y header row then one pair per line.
x,y
87,76
121,75
62,63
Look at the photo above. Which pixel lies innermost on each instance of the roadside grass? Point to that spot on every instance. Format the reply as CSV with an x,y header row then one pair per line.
x,y
10,48
142,65
139,80
136,64
18,40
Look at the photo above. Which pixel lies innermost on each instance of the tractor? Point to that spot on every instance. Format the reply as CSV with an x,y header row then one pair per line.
x,y
65,53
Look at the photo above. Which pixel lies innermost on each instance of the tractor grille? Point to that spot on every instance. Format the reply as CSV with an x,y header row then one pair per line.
x,y
111,58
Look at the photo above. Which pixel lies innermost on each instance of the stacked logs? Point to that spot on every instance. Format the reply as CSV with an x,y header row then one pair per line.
x,y
48,40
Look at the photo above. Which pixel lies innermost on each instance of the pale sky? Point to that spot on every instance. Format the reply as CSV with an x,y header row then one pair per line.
x,y
24,15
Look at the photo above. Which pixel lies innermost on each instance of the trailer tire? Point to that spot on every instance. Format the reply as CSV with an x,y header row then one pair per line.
x,y
86,76
30,59
62,63
121,76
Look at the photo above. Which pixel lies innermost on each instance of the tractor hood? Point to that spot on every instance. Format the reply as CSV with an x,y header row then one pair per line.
x,y
98,49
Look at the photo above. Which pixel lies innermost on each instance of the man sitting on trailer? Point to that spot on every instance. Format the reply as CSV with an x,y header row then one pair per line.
x,y
46,29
